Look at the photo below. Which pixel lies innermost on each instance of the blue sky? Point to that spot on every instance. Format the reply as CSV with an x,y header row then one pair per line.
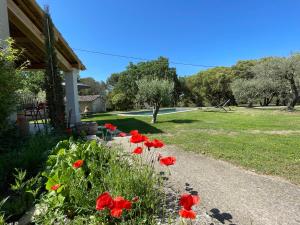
x,y
209,32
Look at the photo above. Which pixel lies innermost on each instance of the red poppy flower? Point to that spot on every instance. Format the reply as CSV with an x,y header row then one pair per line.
x,y
138,150
55,187
110,126
134,132
119,203
167,161
104,201
115,205
188,200
116,212
122,134
189,214
138,138
78,163
148,144
157,143
107,125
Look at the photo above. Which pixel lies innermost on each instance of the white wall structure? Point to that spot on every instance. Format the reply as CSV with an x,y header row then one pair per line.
x,y
4,24
72,95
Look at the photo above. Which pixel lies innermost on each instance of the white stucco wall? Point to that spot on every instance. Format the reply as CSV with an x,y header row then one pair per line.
x,y
95,106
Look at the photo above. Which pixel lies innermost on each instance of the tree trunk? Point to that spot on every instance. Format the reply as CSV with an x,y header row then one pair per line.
x,y
295,94
155,112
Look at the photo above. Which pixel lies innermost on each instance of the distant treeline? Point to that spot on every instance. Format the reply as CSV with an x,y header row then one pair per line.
x,y
272,80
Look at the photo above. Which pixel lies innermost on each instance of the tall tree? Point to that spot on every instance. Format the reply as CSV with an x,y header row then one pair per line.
x,y
95,87
155,92
124,83
53,78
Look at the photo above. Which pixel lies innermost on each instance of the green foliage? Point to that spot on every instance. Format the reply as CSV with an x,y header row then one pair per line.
x,y
53,78
22,196
155,92
211,87
33,81
243,69
124,83
96,87
10,81
29,155
104,169
19,172
271,77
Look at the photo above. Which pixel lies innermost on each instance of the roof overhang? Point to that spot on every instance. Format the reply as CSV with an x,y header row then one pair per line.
x,y
26,28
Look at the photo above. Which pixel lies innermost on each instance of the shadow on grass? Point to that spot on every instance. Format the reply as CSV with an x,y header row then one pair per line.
x,y
128,124
218,111
178,121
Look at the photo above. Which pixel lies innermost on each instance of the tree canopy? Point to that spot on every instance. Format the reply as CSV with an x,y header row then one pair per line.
x,y
95,87
123,86
155,92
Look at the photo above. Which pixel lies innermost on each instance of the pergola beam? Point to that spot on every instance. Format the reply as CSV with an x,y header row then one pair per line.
x,y
24,24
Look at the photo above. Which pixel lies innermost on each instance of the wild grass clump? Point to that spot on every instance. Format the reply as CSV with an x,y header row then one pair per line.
x,y
79,172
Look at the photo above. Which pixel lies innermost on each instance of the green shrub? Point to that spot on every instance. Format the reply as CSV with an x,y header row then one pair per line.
x,y
104,170
10,82
28,156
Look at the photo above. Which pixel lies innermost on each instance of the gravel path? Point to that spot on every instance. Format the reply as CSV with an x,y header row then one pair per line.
x,y
231,195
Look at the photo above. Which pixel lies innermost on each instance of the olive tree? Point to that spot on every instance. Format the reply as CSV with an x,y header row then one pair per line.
x,y
289,72
285,74
155,92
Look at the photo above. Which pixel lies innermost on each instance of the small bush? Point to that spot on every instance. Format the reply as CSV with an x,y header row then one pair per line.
x,y
73,189
10,81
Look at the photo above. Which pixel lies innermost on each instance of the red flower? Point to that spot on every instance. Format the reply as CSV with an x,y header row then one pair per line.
x,y
148,144
115,212
122,134
113,128
134,132
110,126
55,187
78,163
104,201
115,205
167,161
157,143
138,138
107,125
119,203
138,150
188,200
189,214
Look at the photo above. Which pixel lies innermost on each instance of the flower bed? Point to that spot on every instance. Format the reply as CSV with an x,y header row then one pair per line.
x,y
91,183
94,184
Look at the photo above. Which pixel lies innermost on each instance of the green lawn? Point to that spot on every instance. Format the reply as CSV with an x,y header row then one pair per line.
x,y
266,141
